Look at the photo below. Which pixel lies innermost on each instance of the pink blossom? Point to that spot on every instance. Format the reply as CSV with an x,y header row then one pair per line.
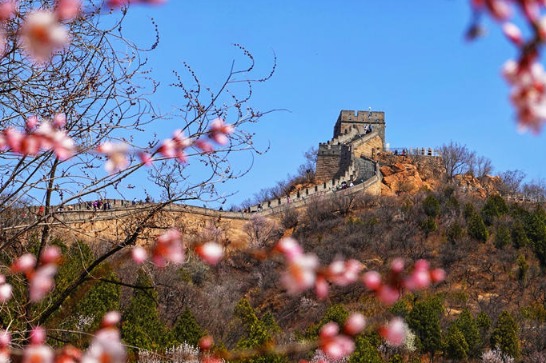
x,y
24,263
219,131
388,295
344,273
37,352
397,265
13,139
31,123
168,248
5,292
321,288
145,158
528,80
206,342
205,146
513,33
438,275
42,282
5,338
290,248
7,9
372,280
68,9
355,323
41,34
210,252
106,346
300,273
59,120
338,347
51,254
334,345
395,332
139,255
110,319
116,154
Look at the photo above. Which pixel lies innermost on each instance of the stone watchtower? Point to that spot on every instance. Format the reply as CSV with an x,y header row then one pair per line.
x,y
357,135
359,119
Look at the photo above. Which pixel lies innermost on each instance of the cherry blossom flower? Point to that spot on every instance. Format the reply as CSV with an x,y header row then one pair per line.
x,y
168,248
7,9
24,263
395,332
290,248
68,9
5,292
300,273
37,351
41,35
145,158
210,252
344,273
139,255
528,94
355,323
205,146
219,131
106,344
5,340
42,282
334,345
116,154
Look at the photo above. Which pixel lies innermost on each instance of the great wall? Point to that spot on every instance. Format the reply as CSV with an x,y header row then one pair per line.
x,y
346,164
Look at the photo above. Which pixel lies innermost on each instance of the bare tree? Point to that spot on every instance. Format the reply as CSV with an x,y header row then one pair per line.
x,y
457,159
261,231
511,182
101,85
480,166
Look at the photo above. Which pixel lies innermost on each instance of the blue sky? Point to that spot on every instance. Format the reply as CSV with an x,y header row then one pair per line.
x,y
406,58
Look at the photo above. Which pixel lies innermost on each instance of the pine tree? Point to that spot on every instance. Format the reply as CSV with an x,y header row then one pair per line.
x,y
505,335
456,345
365,351
258,333
468,326
424,320
187,329
141,325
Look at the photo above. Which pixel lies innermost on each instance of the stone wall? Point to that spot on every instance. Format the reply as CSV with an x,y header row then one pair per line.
x,y
332,161
368,147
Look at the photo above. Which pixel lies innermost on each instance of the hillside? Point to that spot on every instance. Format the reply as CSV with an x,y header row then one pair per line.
x,y
492,250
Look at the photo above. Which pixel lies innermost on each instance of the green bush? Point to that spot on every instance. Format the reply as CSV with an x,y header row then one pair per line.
x,y
475,225
431,206
494,207
503,236
428,225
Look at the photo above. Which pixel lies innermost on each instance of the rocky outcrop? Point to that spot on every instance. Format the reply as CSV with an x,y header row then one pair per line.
x,y
402,178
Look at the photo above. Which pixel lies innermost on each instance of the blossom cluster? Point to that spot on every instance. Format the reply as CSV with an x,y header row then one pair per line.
x,y
51,136
39,137
42,32
303,272
40,274
173,148
525,75
169,248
